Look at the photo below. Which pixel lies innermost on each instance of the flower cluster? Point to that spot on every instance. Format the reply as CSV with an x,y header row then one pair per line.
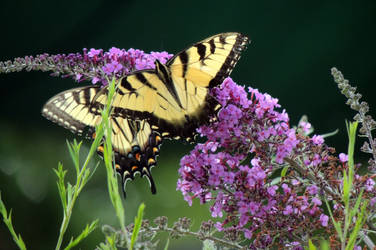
x,y
362,116
93,65
266,179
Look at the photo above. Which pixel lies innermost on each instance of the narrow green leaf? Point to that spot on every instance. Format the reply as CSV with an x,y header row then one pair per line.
x,y
311,246
61,184
88,229
351,131
8,222
355,209
358,225
337,225
137,224
346,188
330,133
74,151
167,244
324,245
284,171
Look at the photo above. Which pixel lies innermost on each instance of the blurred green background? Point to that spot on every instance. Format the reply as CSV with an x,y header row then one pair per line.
x,y
294,45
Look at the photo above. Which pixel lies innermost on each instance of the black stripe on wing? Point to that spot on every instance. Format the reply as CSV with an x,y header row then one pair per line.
x,y
231,60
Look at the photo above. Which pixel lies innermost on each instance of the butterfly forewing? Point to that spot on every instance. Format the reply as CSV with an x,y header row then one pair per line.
x,y
177,104
72,110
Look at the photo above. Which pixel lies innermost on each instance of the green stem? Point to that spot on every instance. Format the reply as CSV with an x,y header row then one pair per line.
x,y
78,187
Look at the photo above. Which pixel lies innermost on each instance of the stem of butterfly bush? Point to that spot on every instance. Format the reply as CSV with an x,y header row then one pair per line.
x,y
79,184
108,159
77,189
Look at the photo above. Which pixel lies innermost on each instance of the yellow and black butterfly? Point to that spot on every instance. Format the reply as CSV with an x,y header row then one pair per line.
x,y
170,101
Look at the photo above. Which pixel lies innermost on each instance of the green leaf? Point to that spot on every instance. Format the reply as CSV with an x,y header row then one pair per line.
x,y
88,229
337,225
8,222
324,245
137,224
74,151
354,210
346,188
330,133
167,244
61,184
311,246
284,171
361,218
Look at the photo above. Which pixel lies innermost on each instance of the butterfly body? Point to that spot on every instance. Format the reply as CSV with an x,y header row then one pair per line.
x,y
170,101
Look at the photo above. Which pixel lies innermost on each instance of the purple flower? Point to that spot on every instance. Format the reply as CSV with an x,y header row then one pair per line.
x,y
216,210
305,126
373,201
93,65
247,233
286,188
288,210
214,180
243,207
343,157
94,52
243,220
324,220
253,207
255,162
228,177
218,225
370,185
317,139
312,190
316,160
316,201
272,190
243,189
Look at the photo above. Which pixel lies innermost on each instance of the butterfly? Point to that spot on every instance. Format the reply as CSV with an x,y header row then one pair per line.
x,y
170,101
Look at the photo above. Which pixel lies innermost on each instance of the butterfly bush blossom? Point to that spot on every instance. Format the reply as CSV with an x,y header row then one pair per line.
x,y
93,65
239,170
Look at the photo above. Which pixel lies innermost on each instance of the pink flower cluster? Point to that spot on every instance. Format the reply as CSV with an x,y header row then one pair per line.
x,y
119,62
235,169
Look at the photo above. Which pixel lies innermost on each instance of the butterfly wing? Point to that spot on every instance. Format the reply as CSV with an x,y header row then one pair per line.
x,y
200,67
71,109
135,144
175,98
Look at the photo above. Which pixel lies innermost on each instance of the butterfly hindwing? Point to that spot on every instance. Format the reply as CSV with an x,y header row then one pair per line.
x,y
134,143
135,147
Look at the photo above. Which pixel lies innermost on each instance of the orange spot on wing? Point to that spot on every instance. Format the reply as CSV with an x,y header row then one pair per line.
x,y
134,168
138,156
94,135
100,149
158,138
